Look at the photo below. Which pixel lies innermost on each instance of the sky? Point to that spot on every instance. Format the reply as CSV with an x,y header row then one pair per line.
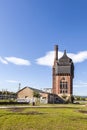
x,y
29,30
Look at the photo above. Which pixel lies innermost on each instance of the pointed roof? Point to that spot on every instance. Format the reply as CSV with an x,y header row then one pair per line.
x,y
65,59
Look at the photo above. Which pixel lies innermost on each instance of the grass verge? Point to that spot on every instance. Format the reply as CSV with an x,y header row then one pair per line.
x,y
63,117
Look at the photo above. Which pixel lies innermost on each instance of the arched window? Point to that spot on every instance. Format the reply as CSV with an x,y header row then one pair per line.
x,y
60,85
63,86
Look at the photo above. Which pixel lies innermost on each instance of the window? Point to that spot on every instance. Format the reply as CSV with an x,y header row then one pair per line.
x,y
63,86
60,85
60,91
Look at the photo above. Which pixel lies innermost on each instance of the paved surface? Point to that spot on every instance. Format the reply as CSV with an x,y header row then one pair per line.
x,y
4,107
44,106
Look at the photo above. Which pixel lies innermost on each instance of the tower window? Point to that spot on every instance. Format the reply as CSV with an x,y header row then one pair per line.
x,y
60,91
60,85
63,87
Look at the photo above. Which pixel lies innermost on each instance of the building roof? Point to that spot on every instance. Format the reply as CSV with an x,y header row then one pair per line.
x,y
65,60
34,89
64,65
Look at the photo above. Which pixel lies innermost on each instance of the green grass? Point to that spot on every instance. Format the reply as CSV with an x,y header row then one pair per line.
x,y
62,117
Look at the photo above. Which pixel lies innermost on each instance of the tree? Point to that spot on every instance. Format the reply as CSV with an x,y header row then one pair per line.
x,y
36,94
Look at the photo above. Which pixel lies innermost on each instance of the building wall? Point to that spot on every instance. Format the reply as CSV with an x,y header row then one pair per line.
x,y
68,79
28,93
24,93
56,82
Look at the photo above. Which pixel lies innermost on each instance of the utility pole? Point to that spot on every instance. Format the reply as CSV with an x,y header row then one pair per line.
x,y
19,87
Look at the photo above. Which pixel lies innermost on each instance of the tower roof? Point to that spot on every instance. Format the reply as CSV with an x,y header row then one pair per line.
x,y
64,65
65,59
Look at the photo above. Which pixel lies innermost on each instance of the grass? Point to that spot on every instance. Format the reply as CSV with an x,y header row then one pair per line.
x,y
62,117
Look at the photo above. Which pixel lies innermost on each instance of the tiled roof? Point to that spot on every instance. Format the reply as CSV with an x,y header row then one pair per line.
x,y
65,60
64,65
34,89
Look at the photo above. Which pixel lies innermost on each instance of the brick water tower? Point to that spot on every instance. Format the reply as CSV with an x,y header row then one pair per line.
x,y
63,74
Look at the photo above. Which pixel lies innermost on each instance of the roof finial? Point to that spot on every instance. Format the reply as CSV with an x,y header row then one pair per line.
x,y
64,52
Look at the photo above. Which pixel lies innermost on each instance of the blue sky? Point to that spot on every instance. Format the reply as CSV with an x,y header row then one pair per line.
x,y
29,29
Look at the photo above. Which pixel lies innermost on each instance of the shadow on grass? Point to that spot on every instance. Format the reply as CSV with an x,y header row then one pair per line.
x,y
19,111
82,111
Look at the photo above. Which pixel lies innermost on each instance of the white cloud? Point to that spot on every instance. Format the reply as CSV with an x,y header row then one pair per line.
x,y
48,59
80,84
14,60
3,61
79,57
12,81
17,61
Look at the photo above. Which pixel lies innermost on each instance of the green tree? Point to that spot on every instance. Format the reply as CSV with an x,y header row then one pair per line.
x,y
36,94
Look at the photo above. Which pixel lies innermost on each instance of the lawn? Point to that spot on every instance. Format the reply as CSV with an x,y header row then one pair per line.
x,y
61,117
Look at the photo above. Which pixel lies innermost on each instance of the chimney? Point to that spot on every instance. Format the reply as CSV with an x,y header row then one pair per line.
x,y
56,52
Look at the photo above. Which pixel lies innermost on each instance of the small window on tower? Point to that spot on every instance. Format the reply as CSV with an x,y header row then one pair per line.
x,y
60,85
66,91
63,78
60,91
63,91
